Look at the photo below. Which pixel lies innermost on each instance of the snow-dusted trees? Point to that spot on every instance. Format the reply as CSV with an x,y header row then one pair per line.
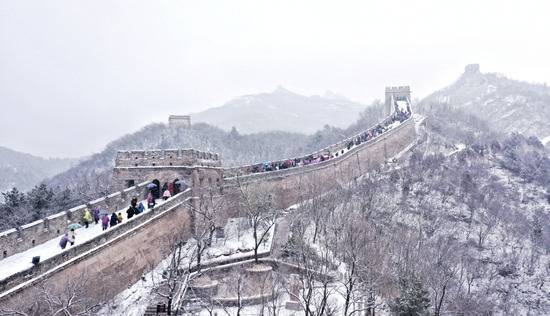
x,y
413,298
20,208
171,278
206,210
256,202
70,299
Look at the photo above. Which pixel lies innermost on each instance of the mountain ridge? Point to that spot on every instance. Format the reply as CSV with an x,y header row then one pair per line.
x,y
508,105
283,110
23,170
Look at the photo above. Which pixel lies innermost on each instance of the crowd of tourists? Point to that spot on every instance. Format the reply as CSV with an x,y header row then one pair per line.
x,y
107,219
399,115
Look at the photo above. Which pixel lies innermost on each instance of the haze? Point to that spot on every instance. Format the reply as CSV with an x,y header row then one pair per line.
x,y
75,75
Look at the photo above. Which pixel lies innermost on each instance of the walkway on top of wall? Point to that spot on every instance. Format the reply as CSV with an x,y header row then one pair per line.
x,y
344,153
23,260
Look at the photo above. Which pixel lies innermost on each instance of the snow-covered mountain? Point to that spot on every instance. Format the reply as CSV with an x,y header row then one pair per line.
x,y
508,105
282,110
25,171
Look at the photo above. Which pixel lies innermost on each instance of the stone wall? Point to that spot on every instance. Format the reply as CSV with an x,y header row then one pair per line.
x,y
290,185
167,157
128,250
195,177
109,262
27,236
166,166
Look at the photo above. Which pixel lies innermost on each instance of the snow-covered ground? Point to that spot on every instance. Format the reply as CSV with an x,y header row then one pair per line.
x,y
22,261
459,148
238,243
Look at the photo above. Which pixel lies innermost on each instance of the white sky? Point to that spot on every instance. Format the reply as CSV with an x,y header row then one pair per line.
x,y
75,75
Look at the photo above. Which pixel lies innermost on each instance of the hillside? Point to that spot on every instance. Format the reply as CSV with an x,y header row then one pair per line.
x,y
25,171
459,226
92,177
508,105
282,110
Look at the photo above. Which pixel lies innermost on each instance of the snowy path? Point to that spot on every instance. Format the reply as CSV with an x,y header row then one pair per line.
x,y
22,261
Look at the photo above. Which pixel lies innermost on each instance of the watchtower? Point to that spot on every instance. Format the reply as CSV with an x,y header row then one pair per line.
x,y
196,168
179,121
393,94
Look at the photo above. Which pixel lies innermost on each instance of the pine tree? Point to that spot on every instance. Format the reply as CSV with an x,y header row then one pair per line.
x,y
63,200
40,198
14,198
413,300
11,212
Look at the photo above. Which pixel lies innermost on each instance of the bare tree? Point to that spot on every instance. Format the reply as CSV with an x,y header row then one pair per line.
x,y
206,212
257,204
72,299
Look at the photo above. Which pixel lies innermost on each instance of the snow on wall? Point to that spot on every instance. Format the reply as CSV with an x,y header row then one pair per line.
x,y
14,284
19,239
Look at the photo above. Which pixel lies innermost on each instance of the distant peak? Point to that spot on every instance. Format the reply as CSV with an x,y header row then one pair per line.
x,y
282,90
333,96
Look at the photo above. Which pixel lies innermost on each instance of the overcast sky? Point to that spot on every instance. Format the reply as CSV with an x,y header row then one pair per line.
x,y
75,75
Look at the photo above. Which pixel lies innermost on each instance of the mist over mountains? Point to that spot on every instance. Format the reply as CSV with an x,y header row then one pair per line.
x,y
507,105
282,110
25,171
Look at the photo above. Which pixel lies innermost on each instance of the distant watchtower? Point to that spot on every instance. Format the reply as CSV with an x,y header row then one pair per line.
x,y
179,121
393,94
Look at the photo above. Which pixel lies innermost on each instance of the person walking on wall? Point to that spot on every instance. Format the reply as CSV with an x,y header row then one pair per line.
x,y
150,200
87,217
114,219
140,208
130,212
95,213
134,201
72,236
105,222
166,195
119,218
63,241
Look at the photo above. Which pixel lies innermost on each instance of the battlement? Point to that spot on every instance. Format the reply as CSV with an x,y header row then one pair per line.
x,y
403,89
179,121
165,158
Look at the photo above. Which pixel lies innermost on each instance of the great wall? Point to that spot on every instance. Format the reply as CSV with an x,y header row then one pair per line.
x,y
137,244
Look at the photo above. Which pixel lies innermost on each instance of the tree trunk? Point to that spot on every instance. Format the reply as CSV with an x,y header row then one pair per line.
x,y
438,308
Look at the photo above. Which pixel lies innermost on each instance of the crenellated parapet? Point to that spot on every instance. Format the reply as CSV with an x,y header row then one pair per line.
x,y
198,169
166,157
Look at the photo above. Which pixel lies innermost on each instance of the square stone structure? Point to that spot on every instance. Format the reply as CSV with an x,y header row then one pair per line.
x,y
179,121
394,94
198,169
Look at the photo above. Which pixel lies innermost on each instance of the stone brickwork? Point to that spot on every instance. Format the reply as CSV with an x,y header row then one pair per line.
x,y
179,121
289,185
198,169
109,262
27,236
